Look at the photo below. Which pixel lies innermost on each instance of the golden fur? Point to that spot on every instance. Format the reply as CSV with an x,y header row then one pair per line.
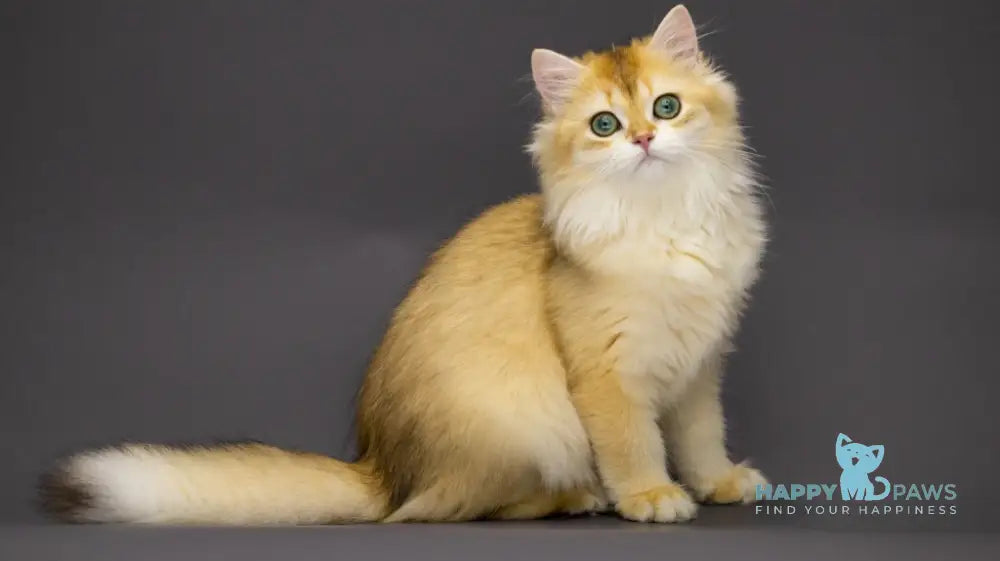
x,y
546,352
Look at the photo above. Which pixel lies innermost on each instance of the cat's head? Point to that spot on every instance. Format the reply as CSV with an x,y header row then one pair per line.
x,y
635,116
858,457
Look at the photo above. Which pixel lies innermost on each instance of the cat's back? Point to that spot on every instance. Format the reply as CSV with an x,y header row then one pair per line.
x,y
505,248
510,234
487,279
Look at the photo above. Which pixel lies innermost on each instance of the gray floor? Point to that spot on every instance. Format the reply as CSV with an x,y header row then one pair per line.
x,y
719,533
552,541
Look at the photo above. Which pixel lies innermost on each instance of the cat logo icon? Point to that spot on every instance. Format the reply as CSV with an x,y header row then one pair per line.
x,y
858,461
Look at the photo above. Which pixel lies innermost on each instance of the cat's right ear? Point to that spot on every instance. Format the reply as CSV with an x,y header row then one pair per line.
x,y
555,76
842,439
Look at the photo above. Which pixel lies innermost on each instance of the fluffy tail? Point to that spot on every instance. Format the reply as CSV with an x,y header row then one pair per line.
x,y
235,484
885,491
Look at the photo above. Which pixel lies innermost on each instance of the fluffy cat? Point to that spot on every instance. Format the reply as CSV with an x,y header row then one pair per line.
x,y
858,461
546,353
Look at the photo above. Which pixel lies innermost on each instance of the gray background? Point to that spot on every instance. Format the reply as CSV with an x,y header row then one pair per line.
x,y
209,209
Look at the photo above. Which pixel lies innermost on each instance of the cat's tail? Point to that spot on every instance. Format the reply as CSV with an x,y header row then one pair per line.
x,y
885,492
231,484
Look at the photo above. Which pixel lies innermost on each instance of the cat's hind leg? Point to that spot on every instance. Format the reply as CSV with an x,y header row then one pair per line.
x,y
572,502
439,503
868,490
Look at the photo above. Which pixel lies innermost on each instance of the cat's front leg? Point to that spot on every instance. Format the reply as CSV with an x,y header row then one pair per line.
x,y
629,449
846,487
695,431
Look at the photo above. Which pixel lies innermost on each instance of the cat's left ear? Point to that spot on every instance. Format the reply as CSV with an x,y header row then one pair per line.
x,y
676,36
877,451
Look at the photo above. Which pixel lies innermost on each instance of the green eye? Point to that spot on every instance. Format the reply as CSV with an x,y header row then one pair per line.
x,y
667,106
604,123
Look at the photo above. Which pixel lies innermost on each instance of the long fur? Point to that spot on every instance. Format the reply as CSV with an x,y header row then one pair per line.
x,y
546,352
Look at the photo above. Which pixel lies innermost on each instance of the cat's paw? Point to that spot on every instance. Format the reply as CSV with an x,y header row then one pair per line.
x,y
737,485
583,502
666,503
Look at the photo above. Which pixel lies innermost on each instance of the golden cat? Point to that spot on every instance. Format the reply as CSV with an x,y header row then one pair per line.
x,y
553,357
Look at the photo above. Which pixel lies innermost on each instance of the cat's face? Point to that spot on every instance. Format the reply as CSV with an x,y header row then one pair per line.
x,y
858,457
634,113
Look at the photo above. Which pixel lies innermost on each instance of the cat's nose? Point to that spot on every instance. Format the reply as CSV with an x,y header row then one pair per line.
x,y
643,140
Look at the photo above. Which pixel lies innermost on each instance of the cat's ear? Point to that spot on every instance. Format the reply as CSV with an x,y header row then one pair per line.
x,y
555,76
842,439
877,451
676,36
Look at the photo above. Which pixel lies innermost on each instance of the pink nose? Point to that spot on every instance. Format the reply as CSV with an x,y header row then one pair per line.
x,y
643,140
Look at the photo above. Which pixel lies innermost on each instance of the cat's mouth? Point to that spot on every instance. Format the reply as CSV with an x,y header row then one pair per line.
x,y
646,159
855,460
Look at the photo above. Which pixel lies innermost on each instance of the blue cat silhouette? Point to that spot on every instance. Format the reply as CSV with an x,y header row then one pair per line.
x,y
858,461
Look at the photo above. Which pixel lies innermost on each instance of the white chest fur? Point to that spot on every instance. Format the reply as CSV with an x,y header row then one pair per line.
x,y
677,269
682,296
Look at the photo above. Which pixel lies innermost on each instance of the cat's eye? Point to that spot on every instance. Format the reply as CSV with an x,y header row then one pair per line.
x,y
604,123
667,106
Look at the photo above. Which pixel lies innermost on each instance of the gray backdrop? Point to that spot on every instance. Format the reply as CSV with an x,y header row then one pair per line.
x,y
209,209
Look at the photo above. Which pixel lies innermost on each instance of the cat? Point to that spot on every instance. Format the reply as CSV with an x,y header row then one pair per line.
x,y
548,355
858,461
